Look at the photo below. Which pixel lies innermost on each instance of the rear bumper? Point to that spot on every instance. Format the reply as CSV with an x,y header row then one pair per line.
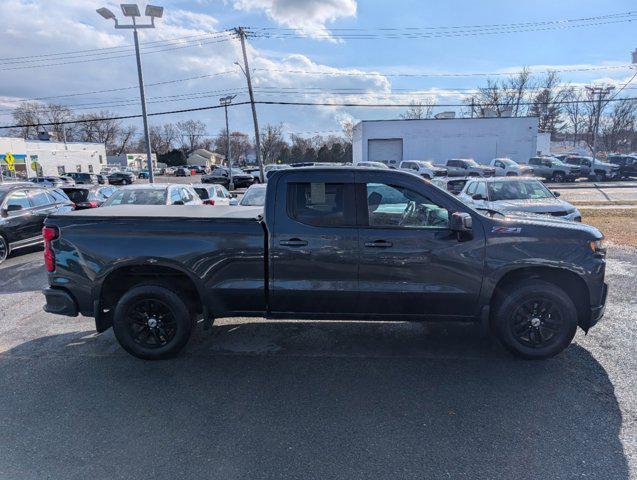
x,y
60,302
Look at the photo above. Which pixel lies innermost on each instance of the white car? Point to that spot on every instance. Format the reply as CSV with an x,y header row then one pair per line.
x,y
213,194
372,165
267,170
423,168
505,167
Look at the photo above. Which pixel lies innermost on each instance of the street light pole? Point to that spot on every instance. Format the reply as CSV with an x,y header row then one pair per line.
x,y
132,10
225,101
600,93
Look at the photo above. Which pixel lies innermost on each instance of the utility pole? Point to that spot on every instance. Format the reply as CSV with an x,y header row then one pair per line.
x,y
600,93
242,34
225,101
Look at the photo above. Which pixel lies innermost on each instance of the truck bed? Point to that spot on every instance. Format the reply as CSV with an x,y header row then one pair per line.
x,y
170,211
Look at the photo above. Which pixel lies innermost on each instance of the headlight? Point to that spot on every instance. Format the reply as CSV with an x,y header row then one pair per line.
x,y
598,246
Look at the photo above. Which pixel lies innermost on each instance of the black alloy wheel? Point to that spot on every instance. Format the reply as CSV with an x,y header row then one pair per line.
x,y
151,323
536,322
4,249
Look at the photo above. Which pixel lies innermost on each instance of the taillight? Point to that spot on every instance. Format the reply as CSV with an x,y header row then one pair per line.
x,y
49,233
209,202
88,204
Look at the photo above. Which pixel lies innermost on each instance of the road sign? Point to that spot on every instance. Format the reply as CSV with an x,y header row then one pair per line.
x,y
11,167
35,166
9,159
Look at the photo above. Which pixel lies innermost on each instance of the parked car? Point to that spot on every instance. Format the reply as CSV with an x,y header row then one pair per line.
x,y
515,195
143,174
84,178
421,167
211,194
600,172
404,249
221,176
553,169
88,196
198,170
267,171
155,194
627,164
51,181
466,167
121,178
254,196
23,208
453,185
182,172
169,171
372,165
508,168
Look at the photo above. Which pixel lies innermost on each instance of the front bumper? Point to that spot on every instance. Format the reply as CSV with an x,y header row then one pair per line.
x,y
60,302
597,311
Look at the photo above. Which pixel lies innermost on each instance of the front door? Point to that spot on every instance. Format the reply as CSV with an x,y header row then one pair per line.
x,y
314,246
411,263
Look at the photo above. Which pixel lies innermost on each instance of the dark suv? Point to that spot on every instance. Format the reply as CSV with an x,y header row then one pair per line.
x,y
23,208
627,164
84,178
87,196
121,178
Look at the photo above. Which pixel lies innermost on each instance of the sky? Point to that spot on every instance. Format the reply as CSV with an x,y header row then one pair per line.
x,y
302,51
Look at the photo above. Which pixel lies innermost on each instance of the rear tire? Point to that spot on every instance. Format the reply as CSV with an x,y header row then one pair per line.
x,y
152,322
4,249
558,177
534,319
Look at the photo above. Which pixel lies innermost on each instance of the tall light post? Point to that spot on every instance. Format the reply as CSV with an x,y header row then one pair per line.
x,y
600,93
132,10
225,101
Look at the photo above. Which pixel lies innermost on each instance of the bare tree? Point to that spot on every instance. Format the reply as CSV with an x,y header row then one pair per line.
x,y
98,128
575,112
125,138
594,107
163,137
348,129
26,114
271,142
502,98
419,109
618,128
192,132
57,115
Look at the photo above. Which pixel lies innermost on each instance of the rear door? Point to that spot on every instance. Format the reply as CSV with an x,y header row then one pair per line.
x,y
411,263
42,205
314,244
18,224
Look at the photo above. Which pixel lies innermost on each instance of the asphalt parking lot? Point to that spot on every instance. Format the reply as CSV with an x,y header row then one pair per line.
x,y
254,399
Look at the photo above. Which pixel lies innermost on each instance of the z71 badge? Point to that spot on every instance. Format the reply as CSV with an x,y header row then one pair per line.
x,y
506,230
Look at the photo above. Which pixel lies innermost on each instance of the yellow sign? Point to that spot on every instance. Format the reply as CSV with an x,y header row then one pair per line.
x,y
10,159
10,167
35,166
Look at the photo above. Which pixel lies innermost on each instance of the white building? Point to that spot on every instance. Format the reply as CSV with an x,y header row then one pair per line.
x,y
205,158
37,158
136,161
482,139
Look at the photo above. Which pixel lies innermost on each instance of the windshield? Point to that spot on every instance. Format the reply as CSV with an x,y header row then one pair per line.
x,y
138,197
507,161
518,190
77,195
254,197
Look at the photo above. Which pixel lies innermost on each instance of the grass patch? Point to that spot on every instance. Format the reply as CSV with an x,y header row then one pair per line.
x,y
595,203
618,225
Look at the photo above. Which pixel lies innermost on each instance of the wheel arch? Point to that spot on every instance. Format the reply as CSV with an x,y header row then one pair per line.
x,y
569,281
118,280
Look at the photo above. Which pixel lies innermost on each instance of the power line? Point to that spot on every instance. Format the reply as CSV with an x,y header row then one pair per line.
x,y
435,75
318,104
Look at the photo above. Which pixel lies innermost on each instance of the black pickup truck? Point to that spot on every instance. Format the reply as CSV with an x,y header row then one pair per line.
x,y
331,243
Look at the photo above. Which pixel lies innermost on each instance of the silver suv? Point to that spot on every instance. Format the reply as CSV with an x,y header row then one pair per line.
x,y
466,167
425,169
601,171
553,169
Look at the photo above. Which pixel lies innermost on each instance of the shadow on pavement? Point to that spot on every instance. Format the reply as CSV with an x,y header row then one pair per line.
x,y
306,400
26,275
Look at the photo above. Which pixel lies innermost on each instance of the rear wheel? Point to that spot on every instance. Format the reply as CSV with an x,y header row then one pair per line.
x,y
535,319
558,177
4,249
152,322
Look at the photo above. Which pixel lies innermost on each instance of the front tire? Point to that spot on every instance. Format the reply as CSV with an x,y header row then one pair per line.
x,y
534,319
558,177
152,322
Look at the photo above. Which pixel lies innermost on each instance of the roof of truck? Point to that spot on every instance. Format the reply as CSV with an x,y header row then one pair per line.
x,y
171,211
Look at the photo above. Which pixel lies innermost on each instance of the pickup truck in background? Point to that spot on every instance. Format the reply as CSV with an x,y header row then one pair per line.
x,y
466,167
330,243
553,169
508,168
600,172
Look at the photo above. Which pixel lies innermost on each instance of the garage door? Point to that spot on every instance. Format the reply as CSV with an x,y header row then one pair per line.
x,y
389,151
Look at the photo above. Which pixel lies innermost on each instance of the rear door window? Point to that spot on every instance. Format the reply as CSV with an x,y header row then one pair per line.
x,y
18,197
39,198
321,204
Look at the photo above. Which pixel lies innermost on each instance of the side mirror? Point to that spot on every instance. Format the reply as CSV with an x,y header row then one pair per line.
x,y
557,194
233,195
478,196
178,202
460,222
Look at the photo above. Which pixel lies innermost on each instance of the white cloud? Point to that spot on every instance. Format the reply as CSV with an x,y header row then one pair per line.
x,y
307,16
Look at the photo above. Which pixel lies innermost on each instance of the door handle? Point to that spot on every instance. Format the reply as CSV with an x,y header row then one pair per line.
x,y
379,244
293,242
